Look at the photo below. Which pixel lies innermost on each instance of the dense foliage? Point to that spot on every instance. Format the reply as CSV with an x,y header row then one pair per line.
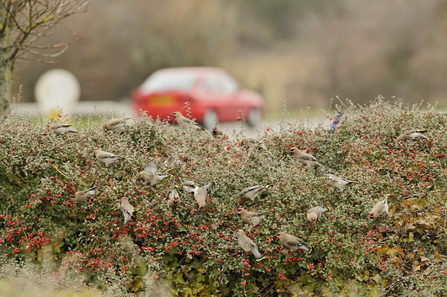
x,y
195,250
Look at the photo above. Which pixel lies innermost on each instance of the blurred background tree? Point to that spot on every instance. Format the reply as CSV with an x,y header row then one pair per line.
x,y
23,27
307,52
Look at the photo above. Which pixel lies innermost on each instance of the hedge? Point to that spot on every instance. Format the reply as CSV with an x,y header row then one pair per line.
x,y
195,251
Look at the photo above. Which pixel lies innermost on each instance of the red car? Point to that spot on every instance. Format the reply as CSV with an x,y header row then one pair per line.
x,y
213,96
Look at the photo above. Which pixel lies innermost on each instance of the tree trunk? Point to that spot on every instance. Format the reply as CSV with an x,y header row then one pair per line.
x,y
5,88
5,65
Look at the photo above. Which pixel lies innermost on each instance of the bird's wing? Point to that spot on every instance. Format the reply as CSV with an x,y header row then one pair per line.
x,y
127,216
127,207
308,157
293,242
315,210
104,155
151,168
239,238
189,121
168,160
378,207
116,122
260,144
57,126
200,194
254,188
416,131
83,192
347,181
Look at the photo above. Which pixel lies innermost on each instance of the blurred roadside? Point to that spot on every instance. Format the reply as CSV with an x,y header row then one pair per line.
x,y
123,108
86,108
304,51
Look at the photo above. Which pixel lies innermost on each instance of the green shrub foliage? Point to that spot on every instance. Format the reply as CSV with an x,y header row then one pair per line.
x,y
195,250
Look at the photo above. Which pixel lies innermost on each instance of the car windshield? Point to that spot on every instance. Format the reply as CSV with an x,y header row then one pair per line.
x,y
169,80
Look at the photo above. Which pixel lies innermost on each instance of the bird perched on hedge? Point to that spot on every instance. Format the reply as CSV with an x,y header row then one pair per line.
x,y
412,135
216,132
84,195
304,158
108,158
150,173
61,128
188,186
185,122
175,157
116,124
293,243
336,181
251,217
127,209
173,198
315,213
380,208
249,193
253,142
247,244
200,194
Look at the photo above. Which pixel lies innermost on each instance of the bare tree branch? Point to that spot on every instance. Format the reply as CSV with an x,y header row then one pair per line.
x,y
12,17
32,20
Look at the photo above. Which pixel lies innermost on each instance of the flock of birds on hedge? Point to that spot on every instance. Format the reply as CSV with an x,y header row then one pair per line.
x,y
151,175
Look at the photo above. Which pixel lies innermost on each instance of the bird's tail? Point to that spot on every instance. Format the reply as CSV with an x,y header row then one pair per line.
x,y
260,259
425,137
257,254
310,250
211,184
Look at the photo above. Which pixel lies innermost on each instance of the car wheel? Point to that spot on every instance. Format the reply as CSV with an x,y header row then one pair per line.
x,y
254,117
210,119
